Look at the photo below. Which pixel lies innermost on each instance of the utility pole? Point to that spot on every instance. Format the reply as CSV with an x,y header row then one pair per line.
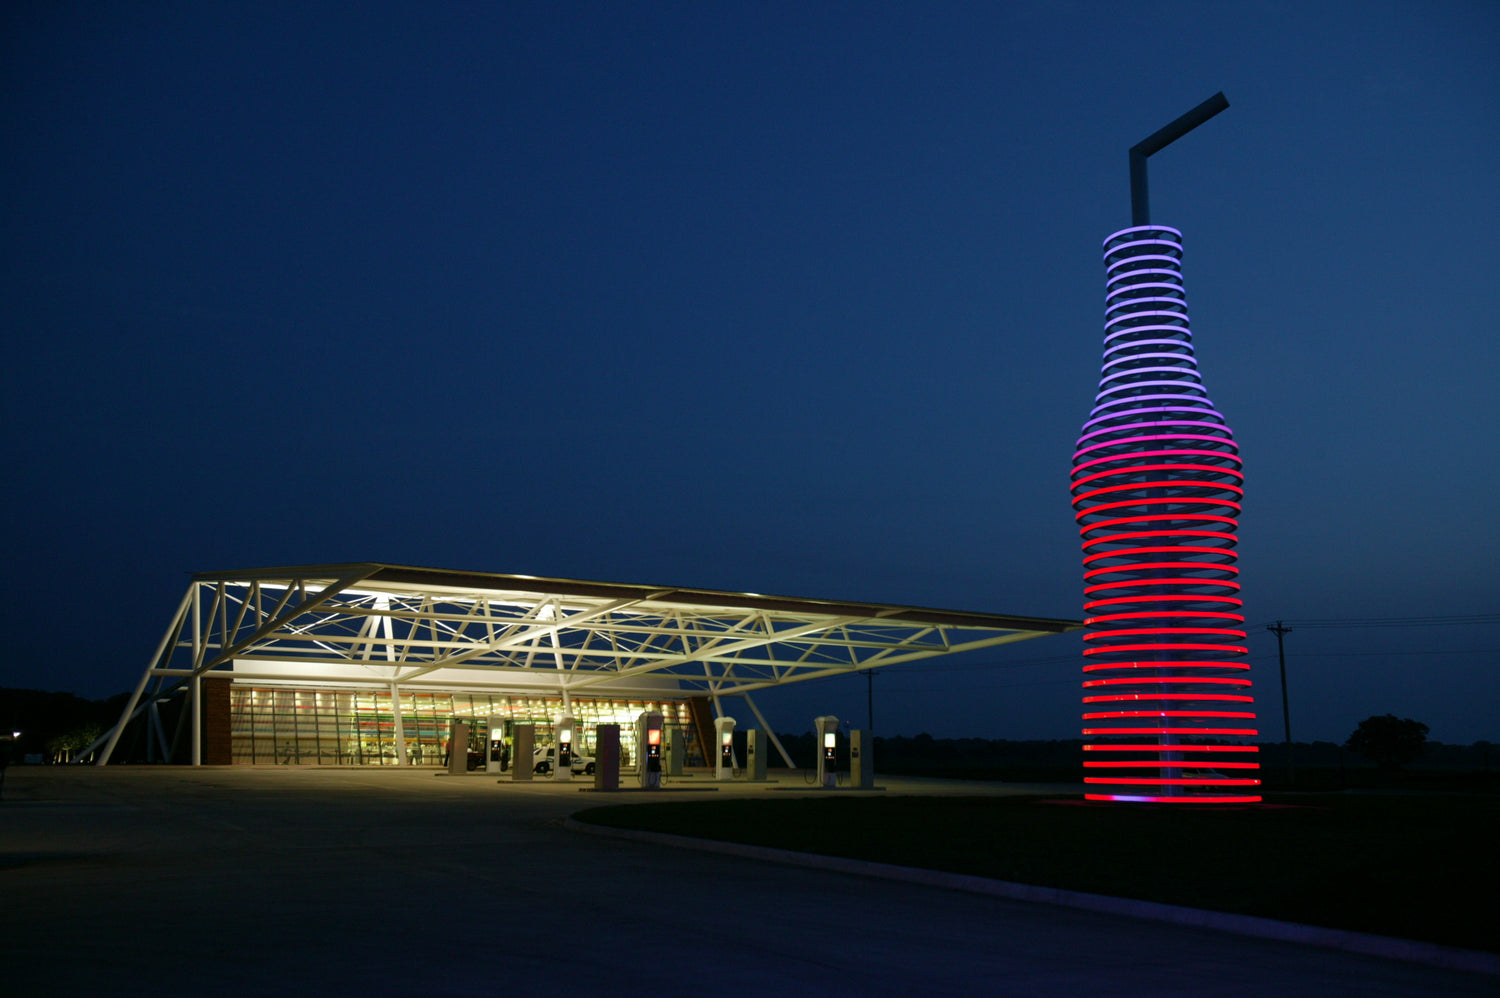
x,y
1286,714
870,712
870,703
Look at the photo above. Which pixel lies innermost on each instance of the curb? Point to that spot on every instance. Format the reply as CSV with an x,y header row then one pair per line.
x,y
1408,950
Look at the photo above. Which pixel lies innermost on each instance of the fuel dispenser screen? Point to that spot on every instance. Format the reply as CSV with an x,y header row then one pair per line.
x,y
653,750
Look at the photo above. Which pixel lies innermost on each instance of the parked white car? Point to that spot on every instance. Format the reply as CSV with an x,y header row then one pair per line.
x,y
543,759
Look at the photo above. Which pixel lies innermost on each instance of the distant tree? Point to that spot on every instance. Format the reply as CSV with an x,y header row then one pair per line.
x,y
1388,741
61,747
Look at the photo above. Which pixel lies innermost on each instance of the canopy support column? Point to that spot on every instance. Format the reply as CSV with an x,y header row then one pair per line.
x,y
164,648
769,733
399,728
195,685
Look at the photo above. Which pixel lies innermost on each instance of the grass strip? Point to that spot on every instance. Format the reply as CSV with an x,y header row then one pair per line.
x,y
1413,866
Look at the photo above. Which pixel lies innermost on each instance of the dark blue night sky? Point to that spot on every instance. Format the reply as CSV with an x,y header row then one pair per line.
x,y
781,297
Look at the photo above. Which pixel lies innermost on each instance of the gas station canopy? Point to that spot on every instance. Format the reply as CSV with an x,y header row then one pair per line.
x,y
401,628
421,627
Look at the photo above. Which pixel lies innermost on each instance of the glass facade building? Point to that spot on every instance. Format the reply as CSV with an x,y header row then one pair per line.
x,y
300,726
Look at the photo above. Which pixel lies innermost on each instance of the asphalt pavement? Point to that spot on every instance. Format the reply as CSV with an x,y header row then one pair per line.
x,y
268,881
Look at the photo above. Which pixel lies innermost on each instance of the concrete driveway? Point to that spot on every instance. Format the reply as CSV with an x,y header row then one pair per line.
x,y
236,881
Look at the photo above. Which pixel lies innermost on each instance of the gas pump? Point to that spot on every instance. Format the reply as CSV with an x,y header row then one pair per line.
x,y
563,771
672,751
755,755
828,750
494,759
607,757
861,762
648,731
724,730
458,748
523,738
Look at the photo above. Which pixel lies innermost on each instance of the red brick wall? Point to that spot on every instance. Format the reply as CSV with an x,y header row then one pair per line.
x,y
216,744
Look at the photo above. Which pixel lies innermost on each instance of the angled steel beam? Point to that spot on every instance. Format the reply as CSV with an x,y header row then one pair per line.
x,y
168,640
768,730
840,670
308,605
1140,194
714,651
518,638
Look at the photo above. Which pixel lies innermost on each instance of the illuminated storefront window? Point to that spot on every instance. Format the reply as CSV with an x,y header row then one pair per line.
x,y
279,726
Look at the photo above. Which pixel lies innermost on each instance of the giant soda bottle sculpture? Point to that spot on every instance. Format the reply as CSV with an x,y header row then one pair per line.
x,y
1157,487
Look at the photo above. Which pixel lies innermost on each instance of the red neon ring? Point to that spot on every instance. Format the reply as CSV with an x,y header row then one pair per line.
x,y
1178,764
1166,615
1107,666
1170,781
1217,697
1110,732
1171,748
1108,714
1133,680
1195,799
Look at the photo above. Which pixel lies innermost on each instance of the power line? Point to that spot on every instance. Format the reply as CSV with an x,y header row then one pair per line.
x,y
1369,654
1432,621
1072,680
917,670
1281,631
1324,622
967,666
1008,686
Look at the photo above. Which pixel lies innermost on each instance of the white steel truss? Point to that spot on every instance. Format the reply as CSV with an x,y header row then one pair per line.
x,y
399,627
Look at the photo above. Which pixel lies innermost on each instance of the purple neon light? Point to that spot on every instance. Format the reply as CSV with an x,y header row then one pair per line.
x,y
1156,397
1157,384
1143,468
1177,344
1162,436
1136,358
1113,275
1154,328
1156,424
1142,454
1144,299
1140,289
1113,377
1145,272
1137,243
1136,413
1121,370
1161,314
1146,228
